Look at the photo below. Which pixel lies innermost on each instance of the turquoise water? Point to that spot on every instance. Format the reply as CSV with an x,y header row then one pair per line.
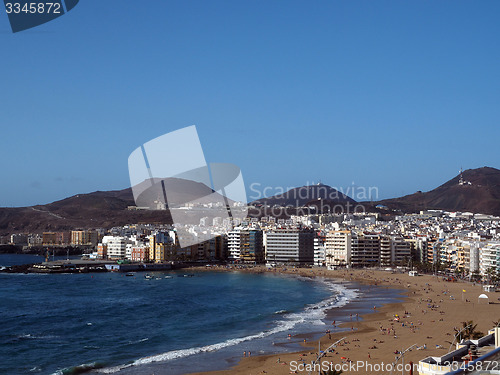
x,y
174,325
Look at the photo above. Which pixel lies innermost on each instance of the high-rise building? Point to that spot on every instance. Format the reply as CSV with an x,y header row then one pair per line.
x,y
489,258
289,246
386,251
251,245
338,248
402,250
365,250
319,249
233,244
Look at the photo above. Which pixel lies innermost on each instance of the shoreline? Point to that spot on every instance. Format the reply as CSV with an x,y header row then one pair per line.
x,y
377,336
332,306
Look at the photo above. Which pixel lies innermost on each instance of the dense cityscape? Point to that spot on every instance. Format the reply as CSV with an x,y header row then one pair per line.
x,y
463,243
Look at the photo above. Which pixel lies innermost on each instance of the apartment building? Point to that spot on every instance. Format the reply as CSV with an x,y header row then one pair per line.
x,y
289,246
365,250
338,248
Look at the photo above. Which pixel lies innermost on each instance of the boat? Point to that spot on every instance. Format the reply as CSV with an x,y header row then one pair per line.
x,y
130,274
148,277
168,277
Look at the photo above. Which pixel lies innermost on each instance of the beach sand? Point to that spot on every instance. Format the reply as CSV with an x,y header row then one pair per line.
x,y
433,308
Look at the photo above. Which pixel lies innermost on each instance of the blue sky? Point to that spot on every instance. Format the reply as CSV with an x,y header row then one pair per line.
x,y
388,94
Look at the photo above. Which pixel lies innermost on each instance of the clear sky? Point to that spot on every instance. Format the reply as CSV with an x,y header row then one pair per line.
x,y
396,95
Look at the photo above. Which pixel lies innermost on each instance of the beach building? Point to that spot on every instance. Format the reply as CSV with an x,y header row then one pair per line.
x,y
386,253
217,247
489,258
252,246
365,249
233,244
319,249
421,249
338,248
474,255
401,249
289,245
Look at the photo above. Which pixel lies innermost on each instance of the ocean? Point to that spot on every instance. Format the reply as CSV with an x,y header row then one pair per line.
x,y
110,323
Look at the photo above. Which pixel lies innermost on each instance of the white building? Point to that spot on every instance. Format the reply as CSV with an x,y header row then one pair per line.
x,y
319,252
488,257
117,247
338,248
233,244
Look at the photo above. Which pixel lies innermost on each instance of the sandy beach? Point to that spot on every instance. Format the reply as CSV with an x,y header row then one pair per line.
x,y
431,309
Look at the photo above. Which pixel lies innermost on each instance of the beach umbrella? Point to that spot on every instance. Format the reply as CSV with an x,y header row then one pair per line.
x,y
482,297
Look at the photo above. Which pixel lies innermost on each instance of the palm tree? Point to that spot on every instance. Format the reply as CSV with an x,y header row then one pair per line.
x,y
468,331
491,275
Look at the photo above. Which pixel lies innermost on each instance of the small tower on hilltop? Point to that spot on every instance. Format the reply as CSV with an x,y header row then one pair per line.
x,y
461,180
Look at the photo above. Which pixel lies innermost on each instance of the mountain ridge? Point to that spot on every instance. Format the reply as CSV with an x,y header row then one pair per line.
x,y
474,190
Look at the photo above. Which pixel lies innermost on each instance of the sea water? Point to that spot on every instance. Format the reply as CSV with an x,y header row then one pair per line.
x,y
166,325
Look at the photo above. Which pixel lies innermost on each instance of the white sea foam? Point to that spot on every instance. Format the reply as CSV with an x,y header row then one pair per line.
x,y
312,314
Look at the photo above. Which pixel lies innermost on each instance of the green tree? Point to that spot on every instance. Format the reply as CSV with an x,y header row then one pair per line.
x,y
468,331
